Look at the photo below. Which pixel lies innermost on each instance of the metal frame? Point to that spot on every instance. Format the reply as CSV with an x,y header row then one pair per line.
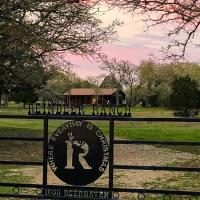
x,y
39,188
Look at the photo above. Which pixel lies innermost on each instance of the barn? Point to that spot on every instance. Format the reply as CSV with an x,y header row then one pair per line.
x,y
99,96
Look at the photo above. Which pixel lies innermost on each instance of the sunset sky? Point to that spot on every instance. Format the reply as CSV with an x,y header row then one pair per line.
x,y
135,43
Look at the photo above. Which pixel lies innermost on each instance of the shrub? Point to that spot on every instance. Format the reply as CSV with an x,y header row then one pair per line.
x,y
184,99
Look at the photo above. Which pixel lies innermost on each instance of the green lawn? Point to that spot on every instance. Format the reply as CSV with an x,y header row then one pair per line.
x,y
10,175
18,109
165,131
129,130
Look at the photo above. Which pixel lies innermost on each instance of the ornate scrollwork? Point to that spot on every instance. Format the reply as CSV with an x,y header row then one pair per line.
x,y
15,190
39,191
115,195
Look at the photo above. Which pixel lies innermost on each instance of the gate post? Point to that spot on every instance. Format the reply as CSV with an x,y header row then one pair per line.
x,y
45,152
111,156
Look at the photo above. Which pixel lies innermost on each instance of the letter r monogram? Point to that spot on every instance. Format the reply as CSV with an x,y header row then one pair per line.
x,y
70,152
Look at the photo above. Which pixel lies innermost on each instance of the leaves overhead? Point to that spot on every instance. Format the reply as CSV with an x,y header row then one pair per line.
x,y
36,33
52,26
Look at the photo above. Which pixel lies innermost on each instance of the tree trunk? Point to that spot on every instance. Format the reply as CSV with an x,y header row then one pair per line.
x,y
131,95
117,97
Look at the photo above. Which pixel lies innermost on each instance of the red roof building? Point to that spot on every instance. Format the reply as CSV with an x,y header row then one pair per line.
x,y
79,96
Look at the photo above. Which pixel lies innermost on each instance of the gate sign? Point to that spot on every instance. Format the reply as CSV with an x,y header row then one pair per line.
x,y
78,152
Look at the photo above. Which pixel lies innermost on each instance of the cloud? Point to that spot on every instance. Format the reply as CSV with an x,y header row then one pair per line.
x,y
135,43
145,40
131,25
131,53
135,55
133,32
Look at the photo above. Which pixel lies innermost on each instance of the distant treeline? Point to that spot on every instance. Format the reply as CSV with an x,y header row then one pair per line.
x,y
154,85
149,84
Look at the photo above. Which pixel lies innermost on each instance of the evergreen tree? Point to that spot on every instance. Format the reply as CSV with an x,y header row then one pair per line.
x,y
184,99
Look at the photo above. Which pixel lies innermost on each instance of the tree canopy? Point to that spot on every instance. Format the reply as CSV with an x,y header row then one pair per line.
x,y
119,73
42,32
46,26
184,99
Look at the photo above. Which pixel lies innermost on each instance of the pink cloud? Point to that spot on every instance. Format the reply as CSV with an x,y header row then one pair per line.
x,y
85,67
133,54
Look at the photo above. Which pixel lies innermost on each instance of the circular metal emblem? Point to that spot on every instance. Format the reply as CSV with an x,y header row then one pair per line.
x,y
78,152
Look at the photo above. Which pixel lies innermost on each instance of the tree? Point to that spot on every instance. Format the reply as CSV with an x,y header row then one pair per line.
x,y
56,86
155,80
182,16
108,82
116,72
166,73
185,96
148,81
131,79
23,88
61,82
120,73
94,81
36,32
80,83
24,93
52,26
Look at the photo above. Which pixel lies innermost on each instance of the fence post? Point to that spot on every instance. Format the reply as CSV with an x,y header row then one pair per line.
x,y
45,152
111,156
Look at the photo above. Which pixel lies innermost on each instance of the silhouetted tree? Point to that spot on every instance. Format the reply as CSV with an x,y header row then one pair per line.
x,y
36,32
185,97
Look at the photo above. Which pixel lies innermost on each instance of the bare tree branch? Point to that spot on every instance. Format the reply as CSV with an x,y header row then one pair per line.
x,y
183,16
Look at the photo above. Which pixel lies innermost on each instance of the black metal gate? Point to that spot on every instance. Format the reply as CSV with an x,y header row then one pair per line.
x,y
44,190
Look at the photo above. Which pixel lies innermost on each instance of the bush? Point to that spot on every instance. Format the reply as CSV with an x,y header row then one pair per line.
x,y
184,99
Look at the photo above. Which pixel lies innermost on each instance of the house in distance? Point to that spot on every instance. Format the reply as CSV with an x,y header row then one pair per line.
x,y
98,96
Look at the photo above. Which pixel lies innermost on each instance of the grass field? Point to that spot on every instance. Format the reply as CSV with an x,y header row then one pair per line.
x,y
18,109
167,131
129,130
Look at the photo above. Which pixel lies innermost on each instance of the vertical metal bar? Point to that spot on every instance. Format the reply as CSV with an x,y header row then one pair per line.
x,y
111,155
45,152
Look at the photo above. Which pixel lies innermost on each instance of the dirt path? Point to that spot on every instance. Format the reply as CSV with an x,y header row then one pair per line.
x,y
130,155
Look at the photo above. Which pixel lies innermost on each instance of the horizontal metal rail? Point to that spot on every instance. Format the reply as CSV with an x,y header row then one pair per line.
x,y
21,196
157,168
21,185
116,189
41,186
9,162
106,118
156,142
49,197
32,139
122,190
157,191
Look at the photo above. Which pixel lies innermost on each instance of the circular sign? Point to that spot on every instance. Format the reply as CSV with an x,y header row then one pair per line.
x,y
78,152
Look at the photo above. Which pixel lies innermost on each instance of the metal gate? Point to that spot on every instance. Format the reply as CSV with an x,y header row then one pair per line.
x,y
47,191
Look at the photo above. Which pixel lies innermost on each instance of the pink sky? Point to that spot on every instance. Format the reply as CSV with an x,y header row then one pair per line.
x,y
86,67
134,44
